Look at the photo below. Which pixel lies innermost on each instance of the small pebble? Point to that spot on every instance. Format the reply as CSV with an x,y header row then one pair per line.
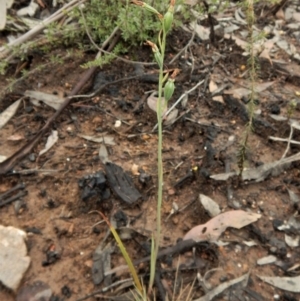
x,y
118,123
175,220
231,138
32,157
29,109
171,191
68,86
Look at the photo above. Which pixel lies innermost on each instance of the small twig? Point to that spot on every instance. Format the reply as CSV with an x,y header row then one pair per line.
x,y
178,101
180,247
185,47
283,140
9,191
288,143
31,171
128,282
13,198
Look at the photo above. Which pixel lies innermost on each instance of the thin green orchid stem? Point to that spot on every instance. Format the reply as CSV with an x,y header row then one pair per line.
x,y
156,241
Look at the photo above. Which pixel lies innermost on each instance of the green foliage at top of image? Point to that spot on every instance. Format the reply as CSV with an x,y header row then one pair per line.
x,y
136,24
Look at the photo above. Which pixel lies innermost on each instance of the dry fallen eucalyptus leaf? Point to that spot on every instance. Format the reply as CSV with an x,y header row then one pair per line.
x,y
241,92
212,230
52,139
209,205
7,114
261,172
4,5
108,140
213,87
152,103
291,284
2,158
222,287
15,137
103,154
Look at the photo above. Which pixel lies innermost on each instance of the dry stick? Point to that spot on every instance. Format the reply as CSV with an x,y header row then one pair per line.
x,y
180,247
284,140
5,50
289,142
13,198
185,47
9,191
9,163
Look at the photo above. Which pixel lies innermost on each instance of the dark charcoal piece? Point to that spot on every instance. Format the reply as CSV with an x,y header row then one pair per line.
x,y
121,183
189,177
144,178
94,185
105,194
277,224
33,230
121,218
52,257
275,109
65,290
124,105
88,193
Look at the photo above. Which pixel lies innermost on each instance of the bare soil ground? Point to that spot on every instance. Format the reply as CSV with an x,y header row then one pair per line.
x,y
57,219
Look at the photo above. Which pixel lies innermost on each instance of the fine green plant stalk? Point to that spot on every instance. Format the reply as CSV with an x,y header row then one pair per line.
x,y
159,165
165,87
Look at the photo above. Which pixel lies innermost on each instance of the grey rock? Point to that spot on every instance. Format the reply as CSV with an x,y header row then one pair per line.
x,y
14,261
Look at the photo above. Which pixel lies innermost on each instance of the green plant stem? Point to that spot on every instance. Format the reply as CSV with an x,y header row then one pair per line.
x,y
159,164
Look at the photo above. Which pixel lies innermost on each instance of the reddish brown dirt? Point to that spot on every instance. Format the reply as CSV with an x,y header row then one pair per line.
x,y
53,202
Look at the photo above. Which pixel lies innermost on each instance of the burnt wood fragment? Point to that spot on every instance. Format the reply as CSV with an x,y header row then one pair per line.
x,y
121,184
